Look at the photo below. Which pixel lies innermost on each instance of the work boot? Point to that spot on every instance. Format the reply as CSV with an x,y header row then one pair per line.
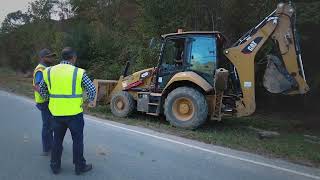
x,y
83,169
55,167
55,170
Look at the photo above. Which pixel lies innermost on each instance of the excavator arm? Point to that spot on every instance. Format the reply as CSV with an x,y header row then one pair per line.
x,y
284,73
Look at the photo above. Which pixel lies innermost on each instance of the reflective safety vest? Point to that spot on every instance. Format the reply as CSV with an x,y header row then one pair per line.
x,y
64,86
37,97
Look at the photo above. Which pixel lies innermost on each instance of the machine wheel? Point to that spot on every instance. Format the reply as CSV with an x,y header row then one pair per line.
x,y
186,107
122,104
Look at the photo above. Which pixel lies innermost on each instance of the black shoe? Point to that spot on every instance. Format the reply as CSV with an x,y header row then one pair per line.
x,y
83,169
56,170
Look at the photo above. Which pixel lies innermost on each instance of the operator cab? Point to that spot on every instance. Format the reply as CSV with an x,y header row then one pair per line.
x,y
189,51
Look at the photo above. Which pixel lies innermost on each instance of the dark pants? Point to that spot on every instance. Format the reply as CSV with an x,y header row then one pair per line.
x,y
60,126
47,132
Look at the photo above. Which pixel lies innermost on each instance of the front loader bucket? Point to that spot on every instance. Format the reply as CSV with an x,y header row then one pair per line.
x,y
103,91
276,78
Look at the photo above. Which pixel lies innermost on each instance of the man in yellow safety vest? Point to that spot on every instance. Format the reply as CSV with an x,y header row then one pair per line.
x,y
46,59
63,85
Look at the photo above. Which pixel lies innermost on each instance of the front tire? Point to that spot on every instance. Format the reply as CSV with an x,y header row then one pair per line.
x,y
186,107
122,104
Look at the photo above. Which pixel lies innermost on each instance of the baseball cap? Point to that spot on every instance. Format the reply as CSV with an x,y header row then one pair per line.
x,y
46,53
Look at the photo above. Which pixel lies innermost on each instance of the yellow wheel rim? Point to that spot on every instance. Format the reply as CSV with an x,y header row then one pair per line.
x,y
120,104
183,109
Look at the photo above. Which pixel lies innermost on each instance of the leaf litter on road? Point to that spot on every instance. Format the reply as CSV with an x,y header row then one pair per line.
x,y
102,151
25,138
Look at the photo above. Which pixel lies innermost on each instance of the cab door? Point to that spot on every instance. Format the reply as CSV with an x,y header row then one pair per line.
x,y
202,55
172,60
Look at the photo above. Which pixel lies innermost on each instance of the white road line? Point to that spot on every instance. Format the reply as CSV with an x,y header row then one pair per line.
x,y
208,150
196,147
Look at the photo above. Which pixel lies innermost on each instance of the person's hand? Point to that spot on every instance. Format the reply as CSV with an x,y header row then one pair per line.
x,y
36,88
91,104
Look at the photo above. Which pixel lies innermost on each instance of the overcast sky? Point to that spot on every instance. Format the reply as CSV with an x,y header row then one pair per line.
x,y
7,6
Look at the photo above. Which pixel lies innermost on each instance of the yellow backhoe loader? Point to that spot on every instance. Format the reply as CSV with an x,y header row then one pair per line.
x,y
198,79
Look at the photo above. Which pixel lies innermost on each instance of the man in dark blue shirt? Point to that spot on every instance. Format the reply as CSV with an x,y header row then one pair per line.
x,y
46,59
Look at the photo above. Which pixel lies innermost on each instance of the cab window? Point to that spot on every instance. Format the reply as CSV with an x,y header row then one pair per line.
x,y
202,55
173,52
172,60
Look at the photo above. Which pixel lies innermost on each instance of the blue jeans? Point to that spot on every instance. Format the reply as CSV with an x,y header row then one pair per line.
x,y
60,125
47,131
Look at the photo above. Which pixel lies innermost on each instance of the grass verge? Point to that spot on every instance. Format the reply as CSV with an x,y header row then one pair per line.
x,y
235,133
15,82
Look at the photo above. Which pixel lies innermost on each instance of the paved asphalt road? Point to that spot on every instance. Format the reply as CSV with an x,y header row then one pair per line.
x,y
121,152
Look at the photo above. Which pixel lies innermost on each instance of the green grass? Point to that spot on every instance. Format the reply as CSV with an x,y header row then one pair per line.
x,y
13,82
235,133
4,71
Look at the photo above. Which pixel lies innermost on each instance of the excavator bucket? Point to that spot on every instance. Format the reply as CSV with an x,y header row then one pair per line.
x,y
103,90
276,78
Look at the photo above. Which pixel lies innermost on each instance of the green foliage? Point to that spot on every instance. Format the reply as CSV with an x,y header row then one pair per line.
x,y
13,21
309,13
42,9
110,32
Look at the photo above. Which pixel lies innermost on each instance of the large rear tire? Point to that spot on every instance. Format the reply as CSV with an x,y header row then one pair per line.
x,y
186,107
122,104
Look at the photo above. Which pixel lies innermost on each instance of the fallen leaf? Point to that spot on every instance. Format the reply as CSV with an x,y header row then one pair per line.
x,y
25,138
102,151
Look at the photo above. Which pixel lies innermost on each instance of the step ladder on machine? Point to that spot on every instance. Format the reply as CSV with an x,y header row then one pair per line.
x,y
149,103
